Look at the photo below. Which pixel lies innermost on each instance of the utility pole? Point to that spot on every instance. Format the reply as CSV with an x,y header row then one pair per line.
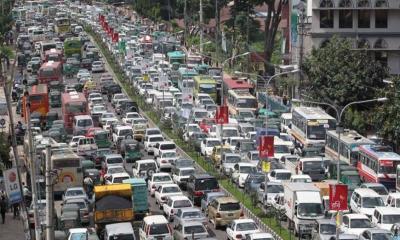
x,y
32,161
49,196
216,31
201,29
185,21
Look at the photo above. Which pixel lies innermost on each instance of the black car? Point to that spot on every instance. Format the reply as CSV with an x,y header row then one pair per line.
x,y
199,184
127,106
112,89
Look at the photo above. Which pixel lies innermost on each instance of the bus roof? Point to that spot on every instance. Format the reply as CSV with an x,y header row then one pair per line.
x,y
51,64
241,94
379,152
176,54
235,83
38,89
312,113
53,50
350,137
123,190
204,79
66,154
73,97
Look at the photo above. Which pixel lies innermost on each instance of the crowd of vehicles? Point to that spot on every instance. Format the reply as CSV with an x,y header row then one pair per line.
x,y
116,162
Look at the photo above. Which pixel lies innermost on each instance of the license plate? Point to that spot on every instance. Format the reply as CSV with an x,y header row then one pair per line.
x,y
230,214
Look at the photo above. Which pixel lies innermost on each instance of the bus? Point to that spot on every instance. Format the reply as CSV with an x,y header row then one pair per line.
x,y
19,13
176,58
378,164
39,101
350,141
205,84
72,45
73,104
241,100
192,60
45,46
185,78
146,44
53,55
234,83
309,126
69,170
49,72
62,25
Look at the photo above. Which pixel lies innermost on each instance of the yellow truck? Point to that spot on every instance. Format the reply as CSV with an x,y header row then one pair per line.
x,y
113,203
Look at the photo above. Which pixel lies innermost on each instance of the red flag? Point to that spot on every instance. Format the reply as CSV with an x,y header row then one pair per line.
x,y
338,197
115,37
106,27
266,147
111,31
222,115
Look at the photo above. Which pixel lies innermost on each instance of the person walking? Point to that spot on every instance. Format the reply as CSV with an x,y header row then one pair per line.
x,y
3,208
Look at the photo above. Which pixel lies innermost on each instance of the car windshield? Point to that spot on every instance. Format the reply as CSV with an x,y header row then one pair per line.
x,y
184,163
167,146
310,209
247,103
153,132
74,193
360,223
230,133
101,136
172,189
125,132
246,226
114,160
390,218
213,143
380,190
169,155
158,229
274,189
193,214
234,206
248,169
107,115
311,165
187,172
281,149
195,229
245,114
206,184
328,229
372,202
164,178
119,179
232,159
147,166
283,176
257,179
182,203
255,157
193,129
353,179
382,236
156,139
201,114
85,123
115,170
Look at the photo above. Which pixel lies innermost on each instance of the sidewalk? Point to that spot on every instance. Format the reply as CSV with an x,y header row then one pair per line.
x,y
12,229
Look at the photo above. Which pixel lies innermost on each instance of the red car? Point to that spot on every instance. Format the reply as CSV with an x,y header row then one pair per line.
x,y
206,124
90,131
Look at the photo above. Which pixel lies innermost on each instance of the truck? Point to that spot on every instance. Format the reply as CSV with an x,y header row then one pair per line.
x,y
140,203
112,204
303,205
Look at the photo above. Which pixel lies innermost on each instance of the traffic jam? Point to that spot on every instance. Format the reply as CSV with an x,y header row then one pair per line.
x,y
97,77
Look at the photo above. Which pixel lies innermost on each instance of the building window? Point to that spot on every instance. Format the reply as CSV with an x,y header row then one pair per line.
x,y
345,18
326,4
363,4
326,18
380,43
381,20
364,18
381,3
363,43
345,4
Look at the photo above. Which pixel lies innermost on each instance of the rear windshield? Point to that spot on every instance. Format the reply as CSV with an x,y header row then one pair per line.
x,y
206,184
114,160
229,206
182,203
156,229
153,132
169,146
85,123
156,139
194,229
120,179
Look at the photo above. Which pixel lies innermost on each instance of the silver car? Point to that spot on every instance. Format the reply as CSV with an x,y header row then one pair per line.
x,y
184,215
324,229
376,234
190,230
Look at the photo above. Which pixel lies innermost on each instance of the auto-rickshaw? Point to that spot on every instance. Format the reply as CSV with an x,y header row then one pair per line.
x,y
132,151
55,98
94,174
50,118
70,217
101,139
21,60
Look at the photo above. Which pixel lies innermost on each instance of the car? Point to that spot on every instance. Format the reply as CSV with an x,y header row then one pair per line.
x,y
188,214
86,146
164,191
162,146
302,178
190,230
117,178
127,118
144,168
116,97
253,181
77,233
324,229
112,170
378,188
74,192
74,141
97,66
385,217
182,175
174,203
240,172
151,141
83,208
223,210
364,200
112,160
157,179
268,191
393,200
155,227
240,228
208,197
166,159
355,223
106,116
199,184
122,132
376,234
207,146
228,162
278,175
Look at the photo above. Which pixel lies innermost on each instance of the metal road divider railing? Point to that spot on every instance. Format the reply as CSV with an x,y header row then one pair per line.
x,y
264,227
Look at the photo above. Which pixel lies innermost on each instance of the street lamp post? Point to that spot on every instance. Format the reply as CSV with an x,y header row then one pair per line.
x,y
339,130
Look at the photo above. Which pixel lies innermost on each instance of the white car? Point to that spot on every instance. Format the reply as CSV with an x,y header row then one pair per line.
x,y
107,116
190,129
121,132
141,167
151,141
385,217
74,192
97,66
355,223
239,228
113,170
157,179
166,190
95,101
86,145
260,236
109,122
98,109
241,171
94,95
181,175
117,178
129,116
116,97
278,175
207,145
76,233
174,203
74,141
364,201
166,159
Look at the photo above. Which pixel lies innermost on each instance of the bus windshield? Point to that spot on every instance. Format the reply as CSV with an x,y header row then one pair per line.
x,y
247,103
76,108
207,88
316,132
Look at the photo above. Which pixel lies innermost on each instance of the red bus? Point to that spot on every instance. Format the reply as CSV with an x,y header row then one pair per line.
x,y
39,100
73,104
53,55
49,72
235,83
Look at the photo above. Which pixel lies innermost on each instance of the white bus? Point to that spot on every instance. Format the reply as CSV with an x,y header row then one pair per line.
x,y
69,170
350,140
239,100
309,126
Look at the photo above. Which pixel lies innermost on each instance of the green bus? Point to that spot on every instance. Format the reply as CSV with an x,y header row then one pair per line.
x,y
176,58
205,84
72,45
185,79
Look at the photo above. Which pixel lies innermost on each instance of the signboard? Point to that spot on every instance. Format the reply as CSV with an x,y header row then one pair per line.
x,y
338,197
11,183
2,122
266,146
3,107
187,95
222,115
266,166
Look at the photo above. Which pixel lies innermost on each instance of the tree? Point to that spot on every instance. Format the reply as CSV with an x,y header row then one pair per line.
x,y
339,75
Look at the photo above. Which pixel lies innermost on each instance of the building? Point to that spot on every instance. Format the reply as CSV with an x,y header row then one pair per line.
x,y
372,24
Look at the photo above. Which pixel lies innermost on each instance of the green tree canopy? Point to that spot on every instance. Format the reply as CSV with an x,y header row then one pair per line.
x,y
339,74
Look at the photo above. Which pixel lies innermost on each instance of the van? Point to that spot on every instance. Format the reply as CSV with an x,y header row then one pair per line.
x,y
200,184
81,124
166,145
223,210
155,227
385,217
364,201
122,230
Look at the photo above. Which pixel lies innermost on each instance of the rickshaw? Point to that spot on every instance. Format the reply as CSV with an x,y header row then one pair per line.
x,y
55,98
101,139
132,151
21,60
94,174
71,67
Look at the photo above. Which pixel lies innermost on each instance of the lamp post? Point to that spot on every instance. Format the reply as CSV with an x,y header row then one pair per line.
x,y
339,130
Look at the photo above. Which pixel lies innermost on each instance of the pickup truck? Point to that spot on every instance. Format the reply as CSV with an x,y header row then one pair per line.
x,y
86,146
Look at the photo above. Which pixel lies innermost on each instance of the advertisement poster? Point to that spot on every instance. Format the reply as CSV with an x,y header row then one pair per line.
x,y
11,184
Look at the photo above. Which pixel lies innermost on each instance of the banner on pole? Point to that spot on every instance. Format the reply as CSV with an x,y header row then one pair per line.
x,y
11,182
338,197
266,146
222,115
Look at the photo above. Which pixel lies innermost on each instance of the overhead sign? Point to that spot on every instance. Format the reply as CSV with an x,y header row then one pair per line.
x,y
266,146
11,183
338,197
